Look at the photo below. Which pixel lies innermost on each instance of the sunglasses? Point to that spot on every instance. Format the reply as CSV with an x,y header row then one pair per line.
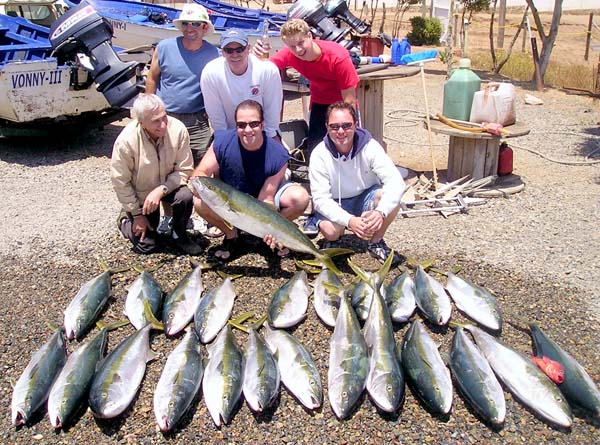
x,y
345,126
194,24
243,125
238,50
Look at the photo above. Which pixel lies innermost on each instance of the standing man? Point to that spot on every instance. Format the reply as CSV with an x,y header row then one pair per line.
x,y
354,184
237,76
327,66
151,162
175,71
252,163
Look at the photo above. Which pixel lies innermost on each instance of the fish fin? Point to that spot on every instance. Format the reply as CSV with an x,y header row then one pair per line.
x,y
151,355
414,263
456,269
326,260
151,318
306,265
337,251
238,326
455,325
335,290
232,277
51,325
243,317
111,326
138,269
438,271
258,323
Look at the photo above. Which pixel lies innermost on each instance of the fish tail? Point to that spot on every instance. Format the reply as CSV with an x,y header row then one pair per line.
x,y
329,264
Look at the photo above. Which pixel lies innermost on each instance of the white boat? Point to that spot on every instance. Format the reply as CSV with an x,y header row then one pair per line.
x,y
36,90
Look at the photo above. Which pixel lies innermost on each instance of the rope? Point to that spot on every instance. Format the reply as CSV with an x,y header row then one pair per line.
x,y
411,118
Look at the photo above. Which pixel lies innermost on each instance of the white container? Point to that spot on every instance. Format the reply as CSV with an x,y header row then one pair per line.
x,y
495,103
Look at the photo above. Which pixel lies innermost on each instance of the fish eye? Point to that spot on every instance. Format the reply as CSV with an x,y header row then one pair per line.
x,y
171,404
344,394
388,388
171,316
311,382
104,395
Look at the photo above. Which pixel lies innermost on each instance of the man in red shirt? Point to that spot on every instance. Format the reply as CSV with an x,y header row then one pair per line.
x,y
326,65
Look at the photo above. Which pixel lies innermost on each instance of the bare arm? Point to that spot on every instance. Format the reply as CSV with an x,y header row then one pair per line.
x,y
153,76
349,96
209,166
269,188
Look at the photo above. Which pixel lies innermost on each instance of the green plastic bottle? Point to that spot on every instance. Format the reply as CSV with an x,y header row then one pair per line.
x,y
459,91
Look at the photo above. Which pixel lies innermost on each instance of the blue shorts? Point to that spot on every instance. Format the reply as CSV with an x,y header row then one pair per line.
x,y
355,205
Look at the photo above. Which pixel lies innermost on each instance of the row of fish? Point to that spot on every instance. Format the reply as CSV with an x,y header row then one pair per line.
x,y
358,360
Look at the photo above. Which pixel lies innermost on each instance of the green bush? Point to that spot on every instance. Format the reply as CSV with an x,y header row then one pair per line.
x,y
425,31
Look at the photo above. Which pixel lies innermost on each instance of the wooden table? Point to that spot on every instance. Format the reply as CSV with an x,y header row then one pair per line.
x,y
370,94
473,154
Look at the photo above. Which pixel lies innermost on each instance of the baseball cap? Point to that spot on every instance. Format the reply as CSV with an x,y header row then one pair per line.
x,y
234,35
193,12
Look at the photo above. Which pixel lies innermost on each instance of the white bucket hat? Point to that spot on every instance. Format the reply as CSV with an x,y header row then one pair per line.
x,y
193,12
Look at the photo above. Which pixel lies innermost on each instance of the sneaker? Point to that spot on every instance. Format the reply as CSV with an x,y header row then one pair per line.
x,y
332,244
381,251
165,226
310,228
187,245
197,224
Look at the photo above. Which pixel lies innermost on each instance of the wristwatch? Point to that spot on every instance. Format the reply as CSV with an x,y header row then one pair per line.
x,y
164,189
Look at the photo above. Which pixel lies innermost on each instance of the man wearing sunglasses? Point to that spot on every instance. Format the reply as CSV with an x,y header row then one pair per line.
x,y
175,71
255,164
237,76
354,184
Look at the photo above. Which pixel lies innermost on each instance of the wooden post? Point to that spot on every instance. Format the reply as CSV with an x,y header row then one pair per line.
x,y
539,82
588,37
424,8
501,23
449,41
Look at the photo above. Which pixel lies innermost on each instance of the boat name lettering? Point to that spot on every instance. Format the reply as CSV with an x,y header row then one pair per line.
x,y
118,24
36,79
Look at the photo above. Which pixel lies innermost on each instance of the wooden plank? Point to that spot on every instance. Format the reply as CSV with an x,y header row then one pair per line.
x,y
492,160
480,157
455,152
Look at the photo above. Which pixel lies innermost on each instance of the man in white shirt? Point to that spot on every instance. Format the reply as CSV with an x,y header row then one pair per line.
x,y
354,183
238,76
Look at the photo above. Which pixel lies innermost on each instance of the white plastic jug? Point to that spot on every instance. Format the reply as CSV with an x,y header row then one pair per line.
x,y
495,103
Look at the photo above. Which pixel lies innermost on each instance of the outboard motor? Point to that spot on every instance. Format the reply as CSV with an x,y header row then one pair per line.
x,y
83,31
339,9
313,13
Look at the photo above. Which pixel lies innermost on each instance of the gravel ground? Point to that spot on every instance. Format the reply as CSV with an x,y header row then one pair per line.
x,y
536,251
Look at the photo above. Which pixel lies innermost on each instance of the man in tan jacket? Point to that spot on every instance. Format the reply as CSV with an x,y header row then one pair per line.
x,y
151,162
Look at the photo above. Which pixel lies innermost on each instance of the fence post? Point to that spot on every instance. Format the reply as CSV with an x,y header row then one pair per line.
x,y
588,37
501,23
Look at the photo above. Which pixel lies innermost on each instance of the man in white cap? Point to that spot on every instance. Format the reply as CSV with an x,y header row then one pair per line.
x,y
237,76
175,70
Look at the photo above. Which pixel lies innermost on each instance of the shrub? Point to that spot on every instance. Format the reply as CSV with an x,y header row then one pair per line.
x,y
425,31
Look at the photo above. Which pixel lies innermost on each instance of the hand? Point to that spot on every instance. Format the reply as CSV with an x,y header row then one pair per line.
x,y
260,49
140,226
373,220
359,228
153,200
272,242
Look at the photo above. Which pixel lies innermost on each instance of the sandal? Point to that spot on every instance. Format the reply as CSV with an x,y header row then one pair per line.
x,y
230,249
283,252
214,232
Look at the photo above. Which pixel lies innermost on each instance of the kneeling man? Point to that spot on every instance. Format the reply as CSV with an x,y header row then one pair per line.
x,y
354,184
252,163
151,162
